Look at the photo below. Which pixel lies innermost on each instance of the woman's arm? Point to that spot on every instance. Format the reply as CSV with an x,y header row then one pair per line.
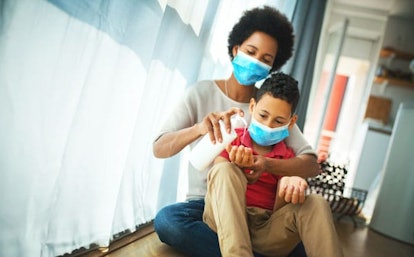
x,y
304,165
170,143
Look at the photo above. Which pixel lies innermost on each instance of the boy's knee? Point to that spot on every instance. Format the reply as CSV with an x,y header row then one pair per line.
x,y
317,203
225,170
226,175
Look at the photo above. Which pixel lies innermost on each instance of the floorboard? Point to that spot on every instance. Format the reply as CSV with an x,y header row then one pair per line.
x,y
356,242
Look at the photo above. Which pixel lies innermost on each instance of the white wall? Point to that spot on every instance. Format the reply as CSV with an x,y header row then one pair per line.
x,y
399,34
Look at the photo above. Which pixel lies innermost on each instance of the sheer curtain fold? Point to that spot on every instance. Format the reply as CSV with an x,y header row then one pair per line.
x,y
84,87
82,97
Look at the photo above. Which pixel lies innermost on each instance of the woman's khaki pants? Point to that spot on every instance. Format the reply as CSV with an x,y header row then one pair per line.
x,y
241,229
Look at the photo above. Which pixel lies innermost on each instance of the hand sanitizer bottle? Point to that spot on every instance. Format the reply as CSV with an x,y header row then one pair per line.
x,y
204,153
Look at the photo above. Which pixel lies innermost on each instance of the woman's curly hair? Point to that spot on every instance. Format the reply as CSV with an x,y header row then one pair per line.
x,y
270,21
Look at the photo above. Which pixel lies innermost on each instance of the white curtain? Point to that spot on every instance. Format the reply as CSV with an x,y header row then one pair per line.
x,y
84,86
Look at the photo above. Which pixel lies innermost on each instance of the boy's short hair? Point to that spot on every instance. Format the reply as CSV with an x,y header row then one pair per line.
x,y
282,86
270,21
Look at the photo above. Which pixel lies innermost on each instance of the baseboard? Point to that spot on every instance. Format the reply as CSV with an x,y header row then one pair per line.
x,y
119,241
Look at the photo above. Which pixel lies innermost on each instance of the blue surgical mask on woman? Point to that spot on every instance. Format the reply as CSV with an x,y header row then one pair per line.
x,y
265,136
249,70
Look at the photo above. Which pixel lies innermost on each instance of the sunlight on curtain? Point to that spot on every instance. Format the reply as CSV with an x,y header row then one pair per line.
x,y
191,12
81,103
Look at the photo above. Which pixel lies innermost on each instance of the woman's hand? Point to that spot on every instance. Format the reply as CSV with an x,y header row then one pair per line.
x,y
210,123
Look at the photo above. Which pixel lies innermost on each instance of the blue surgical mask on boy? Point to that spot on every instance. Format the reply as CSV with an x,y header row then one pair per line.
x,y
265,136
249,70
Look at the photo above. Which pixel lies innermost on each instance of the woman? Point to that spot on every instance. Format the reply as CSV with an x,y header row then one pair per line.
x,y
259,43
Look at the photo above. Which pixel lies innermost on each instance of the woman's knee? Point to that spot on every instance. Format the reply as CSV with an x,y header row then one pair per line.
x,y
162,221
173,220
179,214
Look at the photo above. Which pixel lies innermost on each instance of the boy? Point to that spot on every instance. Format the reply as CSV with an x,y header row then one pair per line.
x,y
250,216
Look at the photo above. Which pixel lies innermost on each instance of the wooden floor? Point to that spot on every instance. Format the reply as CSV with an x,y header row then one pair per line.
x,y
364,242
356,242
